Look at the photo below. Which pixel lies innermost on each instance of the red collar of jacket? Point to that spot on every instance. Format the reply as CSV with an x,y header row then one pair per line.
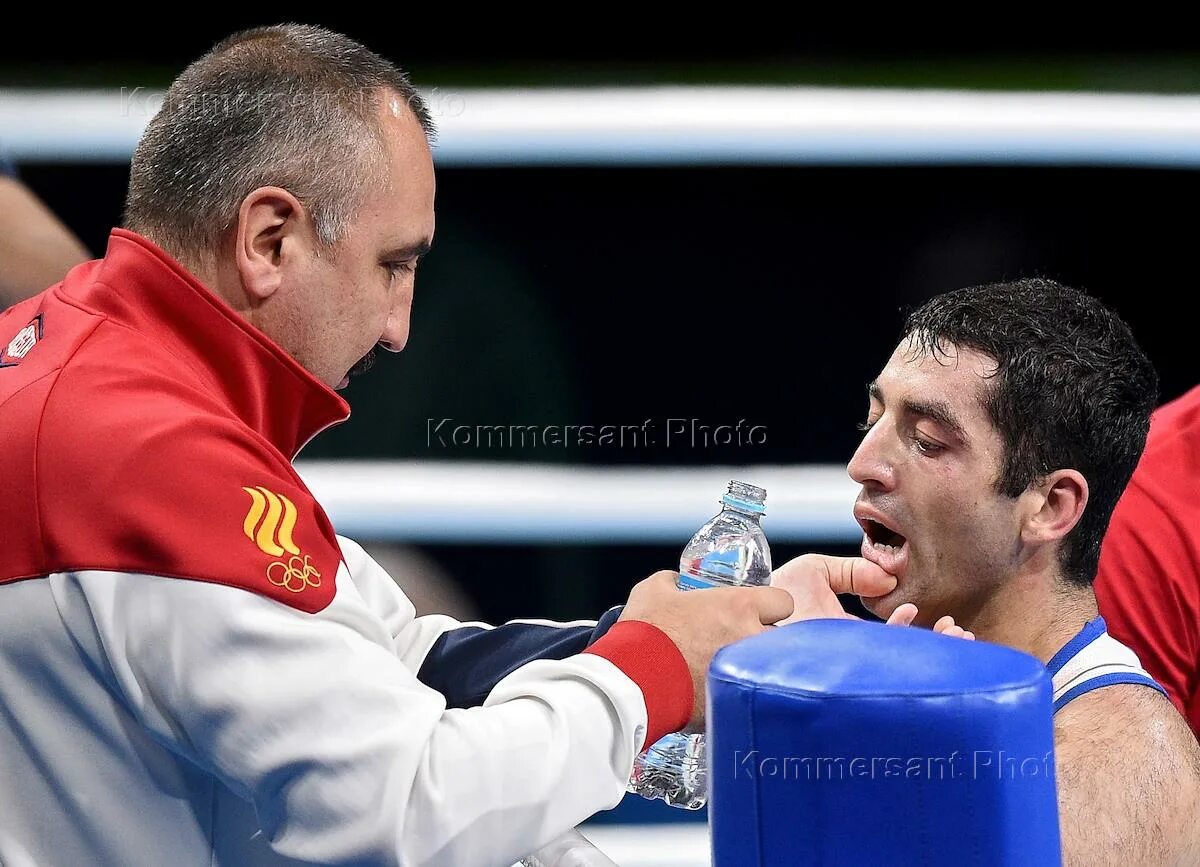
x,y
139,285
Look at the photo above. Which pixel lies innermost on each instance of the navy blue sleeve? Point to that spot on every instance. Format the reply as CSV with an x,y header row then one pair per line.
x,y
7,168
465,663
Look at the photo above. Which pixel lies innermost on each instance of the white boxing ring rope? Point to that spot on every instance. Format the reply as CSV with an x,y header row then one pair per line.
x,y
518,503
702,125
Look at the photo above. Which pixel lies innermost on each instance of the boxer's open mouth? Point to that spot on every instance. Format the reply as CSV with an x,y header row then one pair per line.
x,y
882,536
882,544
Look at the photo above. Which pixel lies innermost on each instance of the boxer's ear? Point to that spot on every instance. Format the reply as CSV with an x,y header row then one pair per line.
x,y
1053,506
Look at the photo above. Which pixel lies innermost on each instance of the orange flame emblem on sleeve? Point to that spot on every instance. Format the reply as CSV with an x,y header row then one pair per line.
x,y
269,525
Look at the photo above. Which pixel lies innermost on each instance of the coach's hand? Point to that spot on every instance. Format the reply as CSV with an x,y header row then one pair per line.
x,y
814,580
701,622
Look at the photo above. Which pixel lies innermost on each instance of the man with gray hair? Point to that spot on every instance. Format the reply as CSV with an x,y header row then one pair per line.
x,y
194,669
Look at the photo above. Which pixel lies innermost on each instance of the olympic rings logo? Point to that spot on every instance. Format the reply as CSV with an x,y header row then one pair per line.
x,y
294,575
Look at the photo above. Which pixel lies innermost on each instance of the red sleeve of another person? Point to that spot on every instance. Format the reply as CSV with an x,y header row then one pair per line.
x,y
1148,586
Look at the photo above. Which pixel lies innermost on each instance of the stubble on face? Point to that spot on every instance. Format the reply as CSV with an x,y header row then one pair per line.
x,y
365,363
961,537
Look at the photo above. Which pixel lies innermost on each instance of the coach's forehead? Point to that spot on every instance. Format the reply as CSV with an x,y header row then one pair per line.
x,y
403,201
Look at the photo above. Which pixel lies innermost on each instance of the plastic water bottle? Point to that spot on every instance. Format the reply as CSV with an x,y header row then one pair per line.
x,y
730,550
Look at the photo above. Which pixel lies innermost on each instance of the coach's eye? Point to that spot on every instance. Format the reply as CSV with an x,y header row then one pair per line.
x,y
406,267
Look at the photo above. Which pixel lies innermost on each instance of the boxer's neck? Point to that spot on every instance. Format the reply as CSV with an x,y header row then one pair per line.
x,y
1038,611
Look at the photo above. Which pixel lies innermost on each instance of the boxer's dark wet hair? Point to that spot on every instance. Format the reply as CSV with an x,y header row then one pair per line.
x,y
291,106
1072,390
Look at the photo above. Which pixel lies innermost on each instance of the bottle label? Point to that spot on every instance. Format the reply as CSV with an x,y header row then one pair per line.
x,y
692,582
718,568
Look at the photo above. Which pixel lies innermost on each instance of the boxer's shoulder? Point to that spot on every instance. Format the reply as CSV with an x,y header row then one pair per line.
x,y
1128,772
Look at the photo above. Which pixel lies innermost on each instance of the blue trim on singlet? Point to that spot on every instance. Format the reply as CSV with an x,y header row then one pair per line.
x,y
1107,680
1093,630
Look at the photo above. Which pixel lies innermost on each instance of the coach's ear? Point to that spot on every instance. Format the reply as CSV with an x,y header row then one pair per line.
x,y
1053,506
268,228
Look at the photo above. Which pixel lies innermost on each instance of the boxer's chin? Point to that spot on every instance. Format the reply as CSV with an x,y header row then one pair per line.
x,y
883,606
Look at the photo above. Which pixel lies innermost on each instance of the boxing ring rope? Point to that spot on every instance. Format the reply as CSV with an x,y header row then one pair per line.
x,y
678,125
495,503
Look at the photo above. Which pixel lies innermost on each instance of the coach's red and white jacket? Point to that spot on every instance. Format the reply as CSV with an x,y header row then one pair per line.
x,y
194,670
